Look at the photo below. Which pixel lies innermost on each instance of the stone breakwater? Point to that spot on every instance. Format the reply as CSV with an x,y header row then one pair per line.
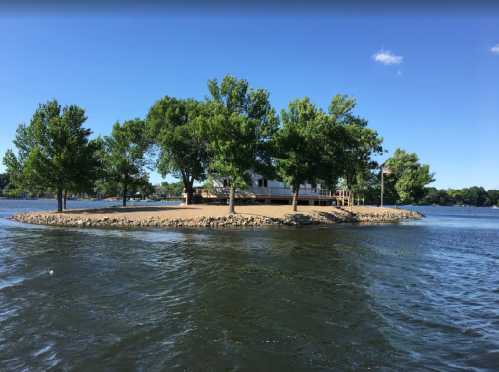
x,y
325,216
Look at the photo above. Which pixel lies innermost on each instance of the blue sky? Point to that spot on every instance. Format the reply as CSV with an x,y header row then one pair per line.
x,y
429,85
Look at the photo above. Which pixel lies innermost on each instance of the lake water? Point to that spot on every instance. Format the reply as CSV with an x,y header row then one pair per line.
x,y
413,296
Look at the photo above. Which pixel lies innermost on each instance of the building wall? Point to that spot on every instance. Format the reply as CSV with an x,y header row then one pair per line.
x,y
274,187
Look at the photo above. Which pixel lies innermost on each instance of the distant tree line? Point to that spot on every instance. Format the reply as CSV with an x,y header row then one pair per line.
x,y
231,133
472,196
171,190
4,183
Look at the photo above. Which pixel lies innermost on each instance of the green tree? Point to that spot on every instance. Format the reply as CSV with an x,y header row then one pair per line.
x,y
476,196
177,128
53,152
348,145
85,175
297,145
333,140
14,173
171,189
105,188
4,182
123,157
144,188
361,144
408,177
437,197
239,128
373,191
457,196
494,197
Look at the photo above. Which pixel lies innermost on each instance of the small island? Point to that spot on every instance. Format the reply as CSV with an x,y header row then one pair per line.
x,y
214,216
305,166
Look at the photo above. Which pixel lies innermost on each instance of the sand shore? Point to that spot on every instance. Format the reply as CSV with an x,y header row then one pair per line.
x,y
214,216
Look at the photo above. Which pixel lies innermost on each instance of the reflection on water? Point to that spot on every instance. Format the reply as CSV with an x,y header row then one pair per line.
x,y
417,295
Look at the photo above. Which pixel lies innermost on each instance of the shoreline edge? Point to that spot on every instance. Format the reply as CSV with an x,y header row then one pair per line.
x,y
215,216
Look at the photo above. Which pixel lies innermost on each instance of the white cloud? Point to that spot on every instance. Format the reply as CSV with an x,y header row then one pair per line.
x,y
495,49
387,58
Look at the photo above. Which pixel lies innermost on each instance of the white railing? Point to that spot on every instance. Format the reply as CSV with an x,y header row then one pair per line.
x,y
254,191
284,191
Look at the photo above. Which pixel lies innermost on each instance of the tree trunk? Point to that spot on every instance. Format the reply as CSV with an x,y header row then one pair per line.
x,y
231,199
125,191
296,190
59,200
65,199
189,191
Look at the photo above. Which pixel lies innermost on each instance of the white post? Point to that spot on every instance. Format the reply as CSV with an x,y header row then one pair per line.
x,y
382,186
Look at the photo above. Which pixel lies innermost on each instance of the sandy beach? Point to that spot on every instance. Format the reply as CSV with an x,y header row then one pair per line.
x,y
199,215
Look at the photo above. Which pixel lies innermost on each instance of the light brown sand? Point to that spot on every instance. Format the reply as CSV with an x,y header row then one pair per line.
x,y
135,214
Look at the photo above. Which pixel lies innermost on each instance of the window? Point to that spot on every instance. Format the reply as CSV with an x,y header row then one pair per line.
x,y
262,182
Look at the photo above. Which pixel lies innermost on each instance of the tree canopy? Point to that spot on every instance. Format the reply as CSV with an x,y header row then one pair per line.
x,y
4,183
408,177
231,135
53,152
297,145
171,189
473,196
123,157
349,146
177,128
315,147
239,128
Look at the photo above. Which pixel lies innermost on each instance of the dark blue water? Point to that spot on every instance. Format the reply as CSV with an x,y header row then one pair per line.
x,y
420,295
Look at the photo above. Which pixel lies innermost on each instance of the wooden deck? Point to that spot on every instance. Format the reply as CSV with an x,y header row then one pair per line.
x,y
274,194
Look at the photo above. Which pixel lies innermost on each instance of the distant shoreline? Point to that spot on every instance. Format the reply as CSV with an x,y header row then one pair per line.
x,y
181,199
214,216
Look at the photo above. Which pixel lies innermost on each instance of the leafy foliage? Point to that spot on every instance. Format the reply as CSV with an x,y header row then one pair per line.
x,y
313,146
4,182
408,177
123,157
240,125
172,189
231,134
297,145
349,145
473,196
53,152
177,128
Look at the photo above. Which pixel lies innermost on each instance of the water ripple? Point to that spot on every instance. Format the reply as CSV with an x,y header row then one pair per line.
x,y
415,296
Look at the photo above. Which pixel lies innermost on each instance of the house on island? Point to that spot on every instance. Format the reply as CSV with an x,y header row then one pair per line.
x,y
263,190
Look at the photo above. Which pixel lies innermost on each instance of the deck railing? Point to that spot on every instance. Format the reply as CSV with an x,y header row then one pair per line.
x,y
256,191
339,196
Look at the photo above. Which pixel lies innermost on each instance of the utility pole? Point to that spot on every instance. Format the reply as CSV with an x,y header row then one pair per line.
x,y
387,171
382,185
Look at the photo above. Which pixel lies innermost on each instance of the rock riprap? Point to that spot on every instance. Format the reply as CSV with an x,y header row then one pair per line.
x,y
181,217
